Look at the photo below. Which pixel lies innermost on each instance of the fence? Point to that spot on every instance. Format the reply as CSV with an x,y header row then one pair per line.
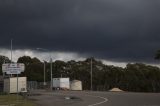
x,y
31,85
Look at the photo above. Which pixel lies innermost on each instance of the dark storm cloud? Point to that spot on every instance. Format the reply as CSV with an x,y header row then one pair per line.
x,y
119,30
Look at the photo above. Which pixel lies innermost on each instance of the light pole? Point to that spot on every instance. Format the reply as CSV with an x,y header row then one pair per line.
x,y
44,73
91,74
11,49
50,64
51,73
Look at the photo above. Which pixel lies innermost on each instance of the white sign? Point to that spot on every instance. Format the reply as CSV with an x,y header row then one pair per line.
x,y
13,68
13,72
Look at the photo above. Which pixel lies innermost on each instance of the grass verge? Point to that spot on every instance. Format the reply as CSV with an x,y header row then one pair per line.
x,y
14,100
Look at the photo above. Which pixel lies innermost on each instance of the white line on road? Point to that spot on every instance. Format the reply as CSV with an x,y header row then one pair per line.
x,y
98,103
88,94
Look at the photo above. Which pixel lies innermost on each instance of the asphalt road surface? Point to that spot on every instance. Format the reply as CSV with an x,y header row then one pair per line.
x,y
87,98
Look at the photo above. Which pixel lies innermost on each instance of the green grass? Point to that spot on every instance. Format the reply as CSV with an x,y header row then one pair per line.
x,y
14,100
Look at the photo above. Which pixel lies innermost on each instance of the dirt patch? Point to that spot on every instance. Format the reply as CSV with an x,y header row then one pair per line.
x,y
116,90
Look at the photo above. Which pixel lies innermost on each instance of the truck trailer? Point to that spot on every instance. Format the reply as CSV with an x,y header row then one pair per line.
x,y
61,83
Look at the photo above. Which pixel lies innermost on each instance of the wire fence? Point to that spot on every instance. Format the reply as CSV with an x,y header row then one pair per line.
x,y
32,85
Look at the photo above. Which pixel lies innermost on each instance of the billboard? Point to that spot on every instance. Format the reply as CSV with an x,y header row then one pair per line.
x,y
13,68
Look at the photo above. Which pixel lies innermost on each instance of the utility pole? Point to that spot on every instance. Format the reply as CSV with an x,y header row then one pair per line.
x,y
11,50
11,56
44,74
91,74
51,73
50,64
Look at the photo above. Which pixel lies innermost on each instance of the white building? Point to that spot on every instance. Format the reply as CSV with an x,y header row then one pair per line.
x,y
10,84
76,85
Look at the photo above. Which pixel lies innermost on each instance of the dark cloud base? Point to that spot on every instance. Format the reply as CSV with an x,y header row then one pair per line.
x,y
119,30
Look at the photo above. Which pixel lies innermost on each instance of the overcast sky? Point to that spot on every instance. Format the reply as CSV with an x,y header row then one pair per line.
x,y
118,31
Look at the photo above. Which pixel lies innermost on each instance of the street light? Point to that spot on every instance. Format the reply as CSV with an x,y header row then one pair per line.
x,y
50,64
51,72
44,73
91,74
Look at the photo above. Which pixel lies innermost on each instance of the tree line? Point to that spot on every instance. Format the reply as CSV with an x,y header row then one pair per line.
x,y
136,77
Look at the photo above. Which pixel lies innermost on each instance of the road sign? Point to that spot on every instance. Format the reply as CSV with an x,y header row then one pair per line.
x,y
13,68
13,72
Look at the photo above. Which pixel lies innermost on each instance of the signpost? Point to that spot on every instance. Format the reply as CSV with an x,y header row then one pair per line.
x,y
13,68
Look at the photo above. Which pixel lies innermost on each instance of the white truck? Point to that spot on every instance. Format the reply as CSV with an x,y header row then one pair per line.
x,y
61,83
10,85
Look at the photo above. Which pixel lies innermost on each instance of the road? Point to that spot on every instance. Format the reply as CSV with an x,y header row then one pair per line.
x,y
84,98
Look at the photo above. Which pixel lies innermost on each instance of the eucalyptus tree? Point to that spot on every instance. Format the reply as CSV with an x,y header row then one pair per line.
x,y
157,55
3,59
33,68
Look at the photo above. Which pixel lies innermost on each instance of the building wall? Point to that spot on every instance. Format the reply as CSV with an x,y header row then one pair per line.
x,y
10,84
76,85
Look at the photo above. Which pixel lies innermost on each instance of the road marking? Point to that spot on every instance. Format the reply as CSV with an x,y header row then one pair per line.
x,y
98,103
88,94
